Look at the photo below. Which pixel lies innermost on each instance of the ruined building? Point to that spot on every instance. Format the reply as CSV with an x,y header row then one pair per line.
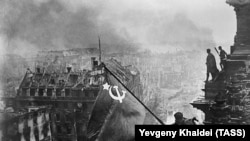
x,y
57,105
227,99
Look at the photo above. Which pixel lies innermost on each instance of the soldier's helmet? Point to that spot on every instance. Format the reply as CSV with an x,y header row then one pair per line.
x,y
178,116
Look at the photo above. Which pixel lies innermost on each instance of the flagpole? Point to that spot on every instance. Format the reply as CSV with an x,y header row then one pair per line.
x,y
159,120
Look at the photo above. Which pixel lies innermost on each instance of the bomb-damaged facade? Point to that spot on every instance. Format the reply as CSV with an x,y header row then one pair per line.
x,y
52,105
54,101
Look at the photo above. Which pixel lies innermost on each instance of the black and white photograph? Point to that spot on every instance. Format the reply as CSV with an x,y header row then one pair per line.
x,y
92,70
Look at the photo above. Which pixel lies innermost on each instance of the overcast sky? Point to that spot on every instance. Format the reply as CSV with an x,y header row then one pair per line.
x,y
150,23
213,14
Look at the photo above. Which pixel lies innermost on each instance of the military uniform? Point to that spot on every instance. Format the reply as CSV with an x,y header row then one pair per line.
x,y
211,66
223,58
180,120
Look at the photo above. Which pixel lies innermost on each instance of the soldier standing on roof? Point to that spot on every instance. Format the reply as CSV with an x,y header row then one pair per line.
x,y
211,65
223,57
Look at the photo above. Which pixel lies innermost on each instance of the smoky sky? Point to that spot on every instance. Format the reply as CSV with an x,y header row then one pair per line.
x,y
53,24
158,25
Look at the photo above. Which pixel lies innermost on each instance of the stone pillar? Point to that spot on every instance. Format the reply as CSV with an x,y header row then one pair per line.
x,y
240,52
242,38
242,9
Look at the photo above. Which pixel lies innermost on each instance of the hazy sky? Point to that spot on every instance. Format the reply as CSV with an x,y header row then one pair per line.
x,y
154,24
135,15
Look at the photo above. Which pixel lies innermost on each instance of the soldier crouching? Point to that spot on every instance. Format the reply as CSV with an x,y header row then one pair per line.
x,y
180,120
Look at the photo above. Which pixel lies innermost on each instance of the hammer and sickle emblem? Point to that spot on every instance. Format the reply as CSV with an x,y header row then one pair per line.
x,y
119,96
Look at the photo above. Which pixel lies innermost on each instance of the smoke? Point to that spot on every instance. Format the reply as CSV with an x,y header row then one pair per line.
x,y
240,2
160,26
33,25
181,33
